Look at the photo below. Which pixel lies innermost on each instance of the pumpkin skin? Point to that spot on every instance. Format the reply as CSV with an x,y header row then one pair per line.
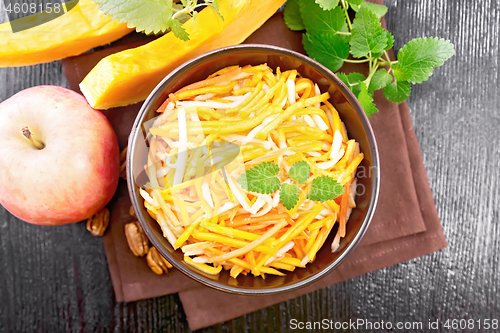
x,y
80,29
129,76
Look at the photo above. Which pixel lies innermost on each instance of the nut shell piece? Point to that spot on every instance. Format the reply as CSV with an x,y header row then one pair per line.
x,y
136,239
98,224
123,164
157,262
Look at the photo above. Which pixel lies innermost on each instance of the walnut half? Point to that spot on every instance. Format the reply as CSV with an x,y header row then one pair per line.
x,y
136,239
98,223
123,163
157,262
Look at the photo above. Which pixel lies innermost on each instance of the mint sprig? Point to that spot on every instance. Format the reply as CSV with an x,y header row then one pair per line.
x,y
155,16
263,178
332,38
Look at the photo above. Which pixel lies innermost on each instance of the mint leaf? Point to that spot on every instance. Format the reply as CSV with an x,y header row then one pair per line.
x,y
178,30
155,16
380,79
324,188
215,6
397,91
367,34
355,4
378,10
400,73
343,78
289,195
293,20
352,81
355,79
421,55
327,4
317,20
365,98
390,40
329,49
262,178
300,172
150,16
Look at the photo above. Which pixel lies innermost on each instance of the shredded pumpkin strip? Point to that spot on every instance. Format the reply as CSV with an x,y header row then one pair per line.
x,y
280,265
343,209
251,245
207,269
323,234
205,236
292,232
233,233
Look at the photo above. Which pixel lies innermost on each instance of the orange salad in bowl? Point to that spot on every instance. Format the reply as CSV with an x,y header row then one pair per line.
x,y
250,170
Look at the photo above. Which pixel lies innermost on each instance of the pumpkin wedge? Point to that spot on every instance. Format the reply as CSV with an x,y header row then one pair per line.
x,y
129,76
80,29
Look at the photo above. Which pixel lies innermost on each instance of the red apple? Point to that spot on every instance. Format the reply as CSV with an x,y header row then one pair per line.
x,y
59,158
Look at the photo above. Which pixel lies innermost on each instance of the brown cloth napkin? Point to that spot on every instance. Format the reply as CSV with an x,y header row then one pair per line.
x,y
405,224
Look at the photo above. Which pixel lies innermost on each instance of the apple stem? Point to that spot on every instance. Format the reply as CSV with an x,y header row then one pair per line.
x,y
27,133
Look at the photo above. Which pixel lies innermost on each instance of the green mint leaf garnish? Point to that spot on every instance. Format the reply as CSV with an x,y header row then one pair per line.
x,y
365,98
154,16
397,91
317,20
292,17
355,2
343,78
331,37
380,79
354,80
149,16
355,5
378,10
178,30
327,4
262,178
289,195
400,73
368,36
421,55
324,188
215,6
329,49
300,172
390,41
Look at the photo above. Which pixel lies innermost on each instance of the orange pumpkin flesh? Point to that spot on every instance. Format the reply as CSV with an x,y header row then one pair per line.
x,y
80,29
129,76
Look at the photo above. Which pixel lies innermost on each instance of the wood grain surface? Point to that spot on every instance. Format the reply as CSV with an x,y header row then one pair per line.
x,y
57,280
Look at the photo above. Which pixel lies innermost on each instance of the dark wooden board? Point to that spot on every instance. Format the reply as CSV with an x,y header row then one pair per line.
x,y
56,279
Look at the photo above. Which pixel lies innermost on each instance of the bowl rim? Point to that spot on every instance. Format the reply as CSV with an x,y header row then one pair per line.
x,y
267,290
